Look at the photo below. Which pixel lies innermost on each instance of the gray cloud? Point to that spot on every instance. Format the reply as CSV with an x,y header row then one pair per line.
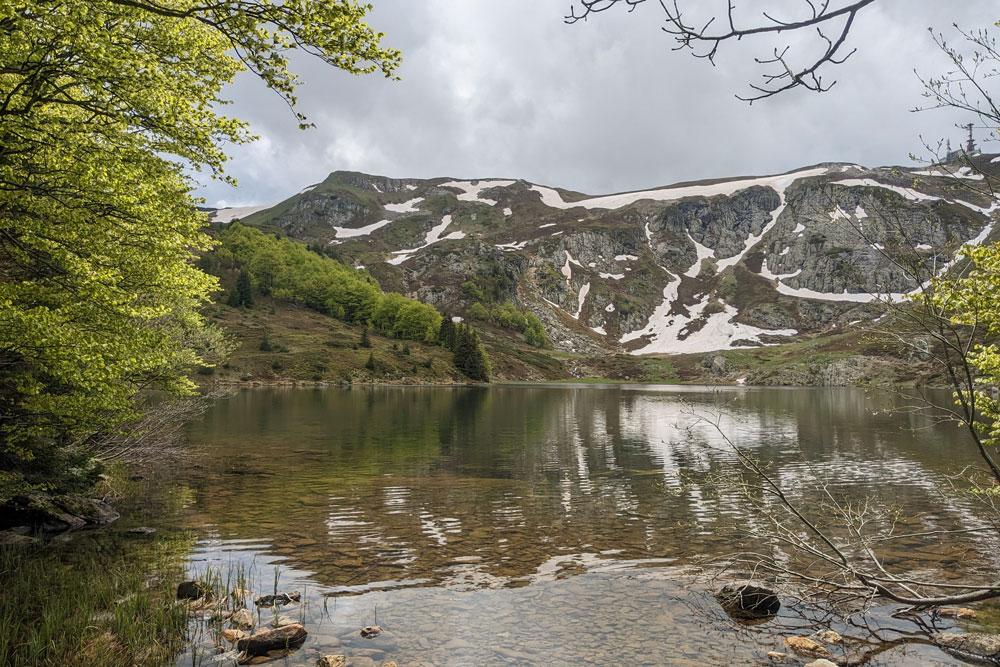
x,y
507,89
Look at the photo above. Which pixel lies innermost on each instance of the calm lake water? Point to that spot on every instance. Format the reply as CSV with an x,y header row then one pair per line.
x,y
552,524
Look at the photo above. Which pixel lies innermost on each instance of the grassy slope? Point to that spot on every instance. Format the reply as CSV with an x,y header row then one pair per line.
x,y
311,347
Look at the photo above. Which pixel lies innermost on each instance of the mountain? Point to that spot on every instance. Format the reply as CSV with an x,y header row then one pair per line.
x,y
686,268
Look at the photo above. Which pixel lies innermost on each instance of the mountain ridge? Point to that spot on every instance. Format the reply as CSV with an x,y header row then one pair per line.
x,y
689,267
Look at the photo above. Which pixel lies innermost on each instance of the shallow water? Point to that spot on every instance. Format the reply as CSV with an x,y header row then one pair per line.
x,y
553,524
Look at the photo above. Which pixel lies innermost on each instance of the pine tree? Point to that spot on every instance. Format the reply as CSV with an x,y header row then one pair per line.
x,y
244,293
470,357
365,340
370,364
446,334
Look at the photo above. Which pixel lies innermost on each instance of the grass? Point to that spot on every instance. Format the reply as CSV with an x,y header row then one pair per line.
x,y
93,606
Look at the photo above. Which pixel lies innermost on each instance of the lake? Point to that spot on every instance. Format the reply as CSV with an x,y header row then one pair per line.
x,y
552,524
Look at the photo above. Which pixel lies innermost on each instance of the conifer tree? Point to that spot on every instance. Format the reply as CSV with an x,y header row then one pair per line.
x,y
244,293
446,334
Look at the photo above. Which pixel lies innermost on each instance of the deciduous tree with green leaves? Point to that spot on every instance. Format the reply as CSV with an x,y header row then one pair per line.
x,y
107,110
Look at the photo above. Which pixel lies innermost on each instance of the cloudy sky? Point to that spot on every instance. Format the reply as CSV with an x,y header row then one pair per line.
x,y
507,89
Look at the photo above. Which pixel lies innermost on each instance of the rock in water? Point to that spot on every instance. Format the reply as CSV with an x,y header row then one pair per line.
x,y
807,647
977,645
822,662
285,637
370,631
957,612
234,635
748,601
826,637
278,600
332,661
191,590
243,618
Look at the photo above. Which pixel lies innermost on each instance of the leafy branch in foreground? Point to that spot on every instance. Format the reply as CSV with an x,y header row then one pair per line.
x,y
106,109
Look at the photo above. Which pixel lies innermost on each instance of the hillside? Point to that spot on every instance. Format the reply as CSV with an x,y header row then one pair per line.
x,y
686,269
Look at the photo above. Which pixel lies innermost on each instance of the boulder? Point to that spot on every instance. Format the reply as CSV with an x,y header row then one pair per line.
x,y
957,612
807,647
285,637
822,662
981,646
332,661
370,631
745,600
191,590
242,618
778,656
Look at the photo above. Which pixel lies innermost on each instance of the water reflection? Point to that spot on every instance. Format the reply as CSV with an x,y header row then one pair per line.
x,y
476,490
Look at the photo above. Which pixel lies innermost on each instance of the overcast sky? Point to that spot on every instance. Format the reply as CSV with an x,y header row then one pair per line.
x,y
507,89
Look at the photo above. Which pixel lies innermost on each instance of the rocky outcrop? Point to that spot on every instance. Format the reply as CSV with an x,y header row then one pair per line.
x,y
59,513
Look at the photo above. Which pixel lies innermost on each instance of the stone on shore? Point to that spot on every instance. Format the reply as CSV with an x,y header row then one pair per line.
x,y
285,637
982,646
807,647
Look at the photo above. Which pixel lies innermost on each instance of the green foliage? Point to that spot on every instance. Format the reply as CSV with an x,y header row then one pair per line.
x,y
446,332
265,344
508,316
370,364
470,357
534,332
366,340
294,273
108,108
244,293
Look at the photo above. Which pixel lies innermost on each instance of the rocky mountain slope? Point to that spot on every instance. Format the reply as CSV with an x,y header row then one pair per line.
x,y
687,268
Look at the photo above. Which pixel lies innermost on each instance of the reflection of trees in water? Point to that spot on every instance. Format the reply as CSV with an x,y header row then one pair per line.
x,y
493,485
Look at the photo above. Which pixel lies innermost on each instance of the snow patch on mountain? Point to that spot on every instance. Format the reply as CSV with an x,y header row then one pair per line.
x,y
472,189
553,199
349,232
229,214
405,207
432,237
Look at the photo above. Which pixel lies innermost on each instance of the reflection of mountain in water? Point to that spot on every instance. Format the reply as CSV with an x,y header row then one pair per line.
x,y
503,486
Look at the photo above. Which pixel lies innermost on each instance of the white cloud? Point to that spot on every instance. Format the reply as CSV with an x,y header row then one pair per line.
x,y
508,90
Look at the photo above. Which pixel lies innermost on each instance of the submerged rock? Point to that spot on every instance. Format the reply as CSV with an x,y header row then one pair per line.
x,y
970,644
285,637
748,601
141,530
777,656
191,590
822,662
278,600
242,618
332,661
826,637
957,612
231,635
807,647
370,631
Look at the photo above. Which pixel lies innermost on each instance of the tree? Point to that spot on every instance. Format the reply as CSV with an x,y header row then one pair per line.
x,y
699,36
366,340
244,292
446,333
470,357
370,364
107,108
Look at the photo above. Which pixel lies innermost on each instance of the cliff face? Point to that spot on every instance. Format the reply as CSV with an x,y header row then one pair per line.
x,y
687,268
